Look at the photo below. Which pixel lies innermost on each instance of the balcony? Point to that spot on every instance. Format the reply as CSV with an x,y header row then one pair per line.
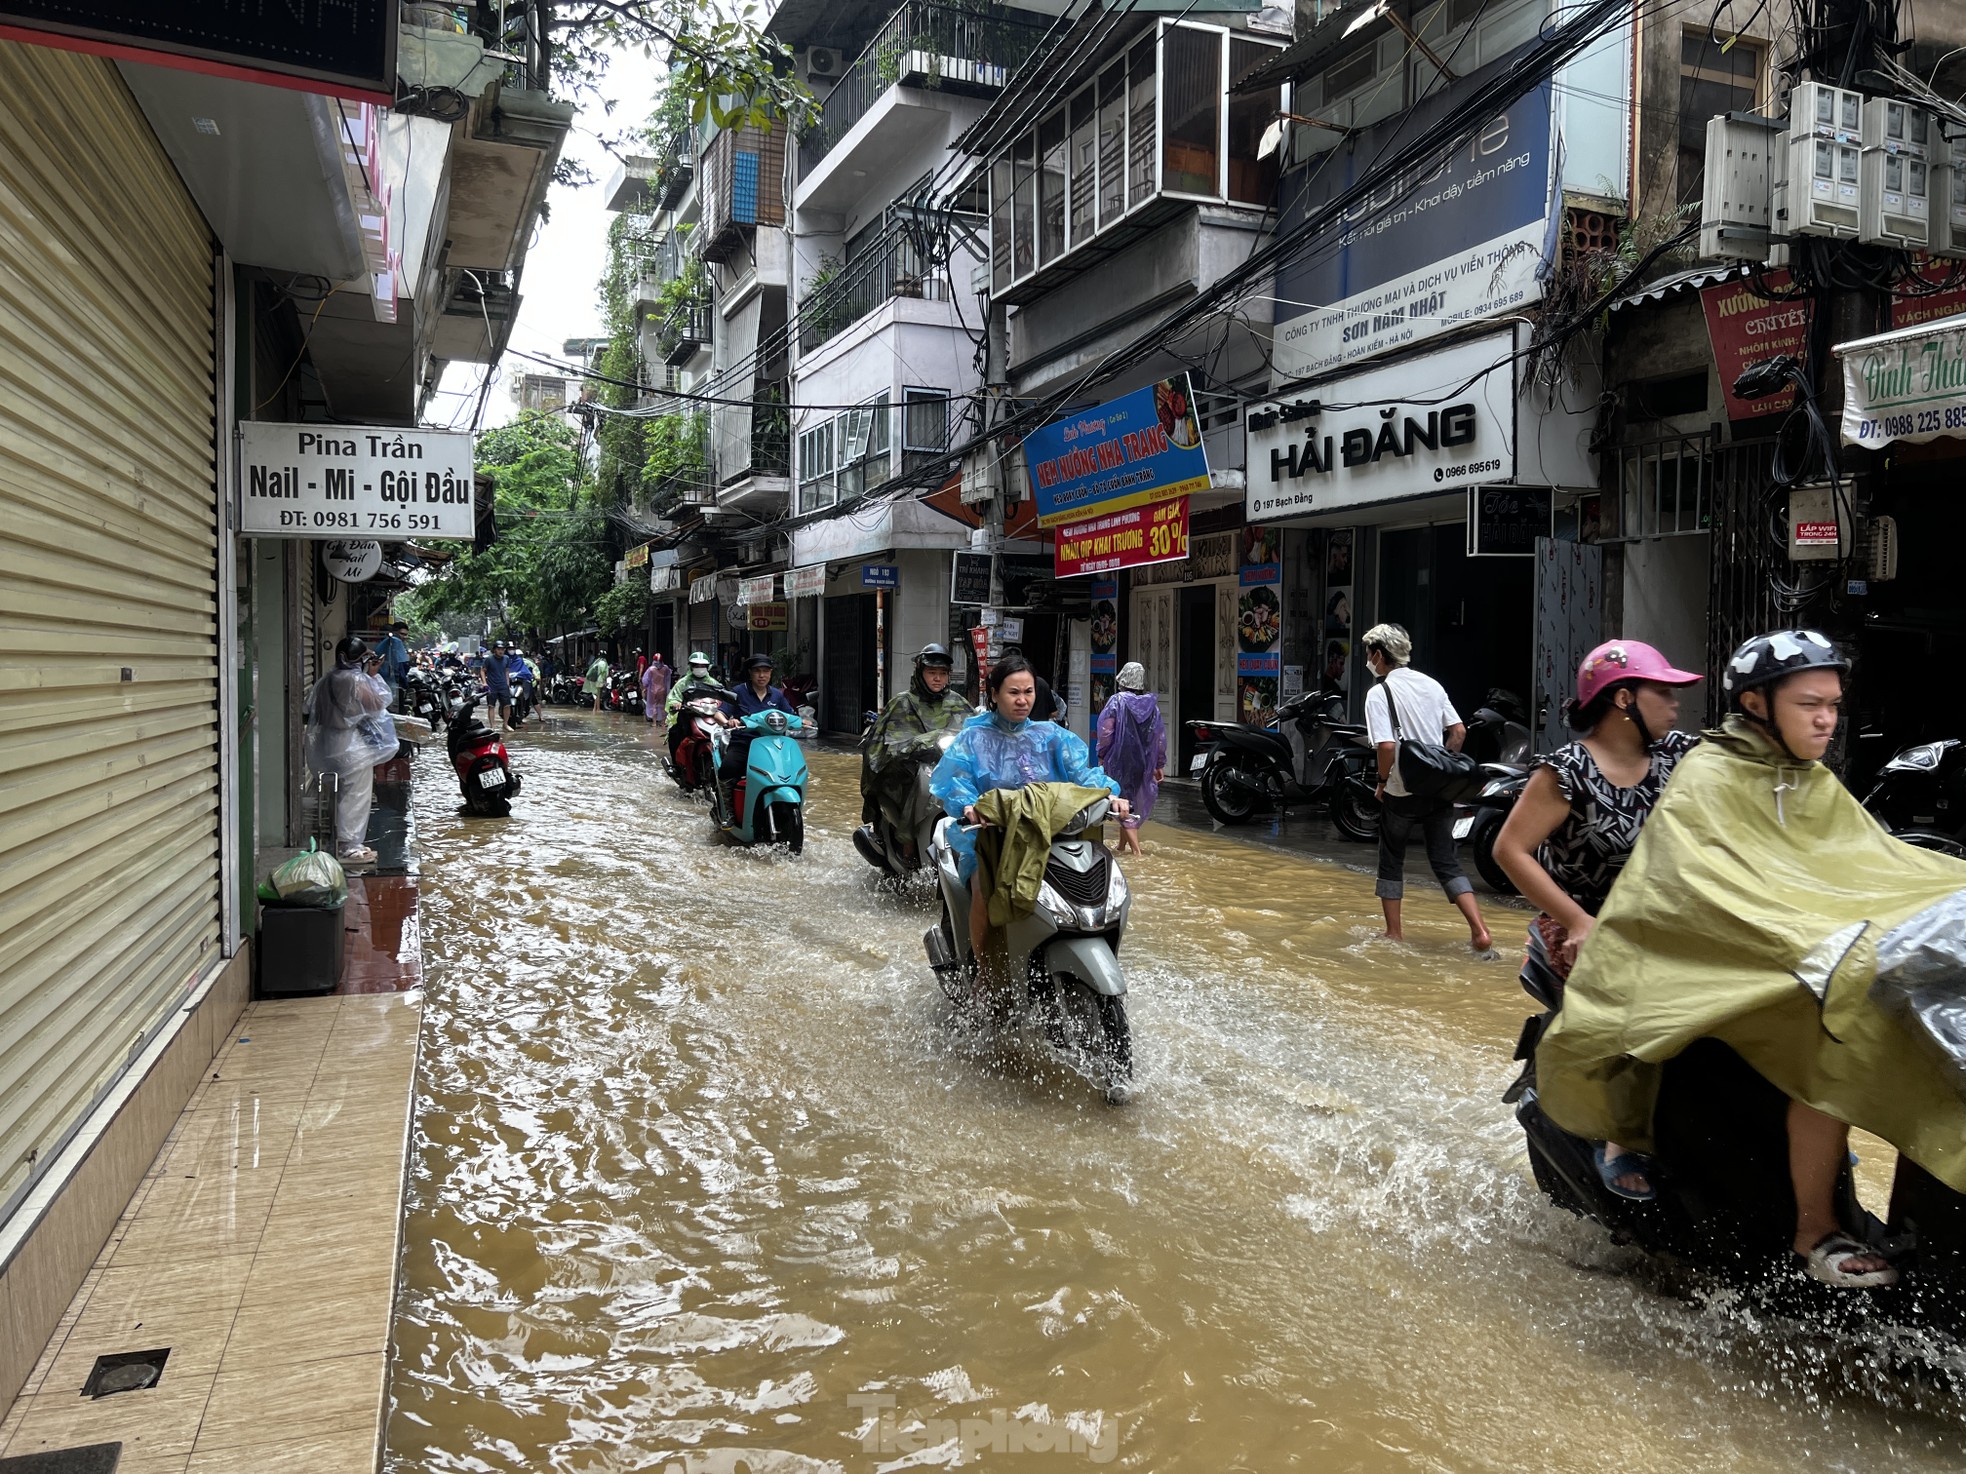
x,y
742,187
674,170
752,451
890,266
684,333
942,48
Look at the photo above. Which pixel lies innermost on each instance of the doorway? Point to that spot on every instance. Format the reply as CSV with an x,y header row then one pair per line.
x,y
846,683
1197,668
1473,620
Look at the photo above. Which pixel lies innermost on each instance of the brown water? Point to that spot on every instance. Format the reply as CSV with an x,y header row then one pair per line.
x,y
707,1180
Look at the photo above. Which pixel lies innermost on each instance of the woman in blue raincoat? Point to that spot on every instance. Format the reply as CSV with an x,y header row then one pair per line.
x,y
1004,748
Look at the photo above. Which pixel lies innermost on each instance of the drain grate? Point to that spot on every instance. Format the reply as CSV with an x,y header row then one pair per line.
x,y
125,1371
95,1458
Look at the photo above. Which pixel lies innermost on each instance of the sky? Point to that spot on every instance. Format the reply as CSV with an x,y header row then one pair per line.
x,y
558,296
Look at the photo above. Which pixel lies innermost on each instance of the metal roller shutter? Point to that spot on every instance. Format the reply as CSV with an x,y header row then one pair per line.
x,y
109,639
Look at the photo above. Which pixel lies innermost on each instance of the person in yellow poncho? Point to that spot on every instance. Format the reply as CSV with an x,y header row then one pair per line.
x,y
1763,907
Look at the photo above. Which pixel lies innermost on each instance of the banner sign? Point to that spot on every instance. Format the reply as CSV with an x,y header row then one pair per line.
x,y
766,618
1746,328
346,48
1905,386
803,583
1462,242
1259,623
756,590
969,579
1141,448
334,481
1129,539
1909,312
1441,422
1505,521
636,557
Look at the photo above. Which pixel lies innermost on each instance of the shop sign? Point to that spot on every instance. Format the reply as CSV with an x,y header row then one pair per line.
x,y
665,580
703,587
1434,424
344,49
1129,539
766,618
1905,386
1141,448
1465,240
1105,593
1259,623
353,560
338,481
1746,328
803,583
636,557
757,590
1932,303
969,579
1010,630
1505,521
880,576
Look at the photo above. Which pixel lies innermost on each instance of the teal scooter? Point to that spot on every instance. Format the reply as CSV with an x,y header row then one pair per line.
x,y
767,803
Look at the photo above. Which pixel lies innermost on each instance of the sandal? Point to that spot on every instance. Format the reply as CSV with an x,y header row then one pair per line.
x,y
1625,1164
1826,1262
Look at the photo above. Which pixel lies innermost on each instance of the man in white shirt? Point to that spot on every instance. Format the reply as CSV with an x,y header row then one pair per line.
x,y
1419,712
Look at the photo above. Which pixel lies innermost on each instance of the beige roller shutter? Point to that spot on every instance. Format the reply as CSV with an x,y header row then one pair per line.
x,y
109,789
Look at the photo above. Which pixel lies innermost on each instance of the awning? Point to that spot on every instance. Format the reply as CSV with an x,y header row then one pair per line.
x,y
1907,386
888,527
1315,49
1691,279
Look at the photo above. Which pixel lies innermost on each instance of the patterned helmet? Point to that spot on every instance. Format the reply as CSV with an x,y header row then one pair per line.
x,y
1768,658
1626,660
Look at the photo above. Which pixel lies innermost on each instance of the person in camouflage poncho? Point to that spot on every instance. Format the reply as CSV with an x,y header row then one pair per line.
x,y
905,731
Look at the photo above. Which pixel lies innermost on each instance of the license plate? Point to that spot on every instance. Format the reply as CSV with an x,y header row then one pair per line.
x,y
1200,762
492,778
1464,827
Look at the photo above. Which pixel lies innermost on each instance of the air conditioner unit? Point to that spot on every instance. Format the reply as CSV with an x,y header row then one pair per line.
x,y
1900,143
1825,163
820,64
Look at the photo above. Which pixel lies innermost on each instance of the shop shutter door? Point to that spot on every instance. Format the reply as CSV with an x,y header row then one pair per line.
x,y
109,796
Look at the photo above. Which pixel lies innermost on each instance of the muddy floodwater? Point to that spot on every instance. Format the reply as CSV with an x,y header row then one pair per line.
x,y
706,1179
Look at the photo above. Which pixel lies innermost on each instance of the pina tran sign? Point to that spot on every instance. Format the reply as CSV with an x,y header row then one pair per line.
x,y
337,481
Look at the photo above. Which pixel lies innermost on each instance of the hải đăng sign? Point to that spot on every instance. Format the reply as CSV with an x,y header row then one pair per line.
x,y
337,481
1746,328
1141,448
1129,539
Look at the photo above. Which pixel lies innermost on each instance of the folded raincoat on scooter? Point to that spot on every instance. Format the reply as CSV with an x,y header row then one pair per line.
x,y
1765,908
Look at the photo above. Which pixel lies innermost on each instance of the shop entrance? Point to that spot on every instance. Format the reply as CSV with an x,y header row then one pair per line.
x,y
1473,620
1197,689
846,683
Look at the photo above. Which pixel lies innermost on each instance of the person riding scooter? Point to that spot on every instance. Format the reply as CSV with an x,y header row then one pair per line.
x,y
699,675
905,734
755,695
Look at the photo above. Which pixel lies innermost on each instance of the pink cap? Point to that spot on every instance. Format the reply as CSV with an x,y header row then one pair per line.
x,y
1626,660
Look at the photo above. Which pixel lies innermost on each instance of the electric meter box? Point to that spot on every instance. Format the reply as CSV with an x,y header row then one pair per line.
x,y
1816,534
1825,162
1900,140
1744,153
1949,196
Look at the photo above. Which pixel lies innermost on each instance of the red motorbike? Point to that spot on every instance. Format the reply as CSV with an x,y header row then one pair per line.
x,y
692,765
484,769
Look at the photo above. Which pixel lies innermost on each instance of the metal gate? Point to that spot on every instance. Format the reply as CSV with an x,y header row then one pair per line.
x,y
1569,618
1747,560
109,596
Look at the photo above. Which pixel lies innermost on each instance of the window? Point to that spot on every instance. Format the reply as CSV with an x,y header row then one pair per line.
x,y
925,423
816,486
1001,230
1083,167
1112,145
1711,82
1140,148
1051,188
862,438
1252,181
1024,228
1191,139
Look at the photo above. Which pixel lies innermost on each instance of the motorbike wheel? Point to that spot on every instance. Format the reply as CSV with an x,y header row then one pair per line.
x,y
1225,803
1355,813
1096,1026
788,822
1483,844
1931,839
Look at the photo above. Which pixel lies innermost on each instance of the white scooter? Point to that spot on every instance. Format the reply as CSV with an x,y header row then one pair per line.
x,y
1067,950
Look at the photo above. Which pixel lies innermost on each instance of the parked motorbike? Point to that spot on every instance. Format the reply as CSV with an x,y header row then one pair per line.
x,y
765,804
484,769
428,695
1480,819
693,768
1065,954
624,692
885,845
1311,756
1498,732
522,700
803,692
1920,796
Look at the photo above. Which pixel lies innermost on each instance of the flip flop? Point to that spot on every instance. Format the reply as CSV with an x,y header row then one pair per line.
x,y
1833,1250
1625,1164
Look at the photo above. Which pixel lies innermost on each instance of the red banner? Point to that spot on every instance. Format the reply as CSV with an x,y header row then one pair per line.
x,y
1746,328
1156,533
1909,312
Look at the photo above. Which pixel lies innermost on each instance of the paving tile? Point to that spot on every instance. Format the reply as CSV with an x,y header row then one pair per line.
x,y
303,1399
204,1217
352,1451
189,1307
157,1424
313,1309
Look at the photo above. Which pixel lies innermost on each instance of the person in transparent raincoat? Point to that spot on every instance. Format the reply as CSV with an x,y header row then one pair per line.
x,y
1004,748
348,733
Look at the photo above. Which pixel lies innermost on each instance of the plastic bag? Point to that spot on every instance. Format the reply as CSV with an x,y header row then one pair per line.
x,y
311,878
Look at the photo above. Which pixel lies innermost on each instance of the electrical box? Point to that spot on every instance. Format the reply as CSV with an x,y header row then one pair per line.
x,y
1825,162
1899,142
1815,533
1949,197
1743,156
1882,549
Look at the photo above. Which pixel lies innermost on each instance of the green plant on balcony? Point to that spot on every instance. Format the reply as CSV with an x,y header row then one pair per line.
x,y
678,457
823,305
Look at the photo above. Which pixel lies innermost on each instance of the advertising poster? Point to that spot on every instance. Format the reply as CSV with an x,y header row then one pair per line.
x,y
1746,328
1259,624
1335,644
1105,638
1129,539
1934,300
1141,448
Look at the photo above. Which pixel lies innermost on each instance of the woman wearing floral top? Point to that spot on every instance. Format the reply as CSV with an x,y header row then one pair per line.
x,y
1577,820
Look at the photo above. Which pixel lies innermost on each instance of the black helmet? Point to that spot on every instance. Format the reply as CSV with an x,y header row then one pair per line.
x,y
760,661
937,656
1767,658
351,651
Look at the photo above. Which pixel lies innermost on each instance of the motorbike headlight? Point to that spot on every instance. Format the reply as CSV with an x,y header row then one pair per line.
x,y
1056,904
775,723
946,741
1922,758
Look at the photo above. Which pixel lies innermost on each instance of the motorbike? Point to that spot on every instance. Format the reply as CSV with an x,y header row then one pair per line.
x,y
522,699
1480,819
428,695
1498,732
1064,955
803,692
765,804
693,767
884,845
1311,756
1920,796
1724,1202
483,767
624,692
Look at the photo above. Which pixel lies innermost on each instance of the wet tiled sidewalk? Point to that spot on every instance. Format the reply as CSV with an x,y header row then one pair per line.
x,y
261,1250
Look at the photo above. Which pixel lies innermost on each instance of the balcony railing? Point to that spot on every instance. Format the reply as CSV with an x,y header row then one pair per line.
x,y
684,332
675,168
753,439
892,267
974,51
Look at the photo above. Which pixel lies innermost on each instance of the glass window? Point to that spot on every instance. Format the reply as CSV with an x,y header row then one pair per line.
x,y
1083,167
1051,187
1140,150
880,440
1253,181
816,488
1001,229
1112,145
1192,130
1711,81
926,426
1026,224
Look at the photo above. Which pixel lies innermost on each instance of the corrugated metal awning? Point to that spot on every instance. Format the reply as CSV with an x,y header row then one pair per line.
x,y
1691,279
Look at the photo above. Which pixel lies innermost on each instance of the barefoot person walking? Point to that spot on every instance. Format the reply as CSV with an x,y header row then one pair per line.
x,y
1132,740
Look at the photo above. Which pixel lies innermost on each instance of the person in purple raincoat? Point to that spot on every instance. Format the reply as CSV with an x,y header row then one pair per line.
x,y
1133,749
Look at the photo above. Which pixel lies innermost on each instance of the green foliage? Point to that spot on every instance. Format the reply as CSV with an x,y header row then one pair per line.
x,y
720,63
625,606
678,456
822,305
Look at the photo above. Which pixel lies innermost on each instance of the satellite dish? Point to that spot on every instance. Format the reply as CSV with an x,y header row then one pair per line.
x,y
1272,137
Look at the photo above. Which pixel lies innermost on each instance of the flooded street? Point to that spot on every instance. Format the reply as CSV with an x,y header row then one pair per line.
x,y
705,1179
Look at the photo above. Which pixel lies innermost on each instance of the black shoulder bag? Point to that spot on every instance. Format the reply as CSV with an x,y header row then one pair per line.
x,y
1431,770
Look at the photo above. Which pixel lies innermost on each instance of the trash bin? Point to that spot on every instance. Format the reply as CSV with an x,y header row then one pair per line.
x,y
299,952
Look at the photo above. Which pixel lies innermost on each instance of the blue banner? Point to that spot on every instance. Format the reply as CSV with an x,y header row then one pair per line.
x,y
1143,447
